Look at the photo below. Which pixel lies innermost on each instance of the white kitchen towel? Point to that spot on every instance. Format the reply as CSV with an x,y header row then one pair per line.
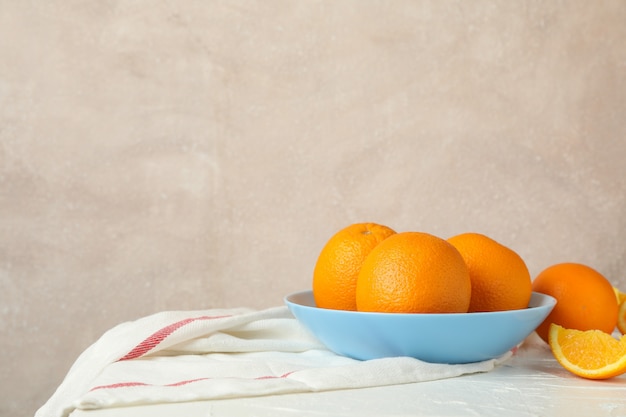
x,y
210,354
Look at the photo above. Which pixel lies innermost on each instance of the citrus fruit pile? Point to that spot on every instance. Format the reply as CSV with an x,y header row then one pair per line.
x,y
370,267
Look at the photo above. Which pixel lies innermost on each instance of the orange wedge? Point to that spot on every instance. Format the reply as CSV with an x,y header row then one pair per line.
x,y
621,318
621,297
621,315
591,354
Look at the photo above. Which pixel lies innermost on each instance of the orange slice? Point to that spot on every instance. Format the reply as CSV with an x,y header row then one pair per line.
x,y
621,297
621,318
591,354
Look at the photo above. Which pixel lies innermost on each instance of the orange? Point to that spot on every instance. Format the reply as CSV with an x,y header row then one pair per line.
x,y
339,263
591,354
585,298
413,272
500,278
621,318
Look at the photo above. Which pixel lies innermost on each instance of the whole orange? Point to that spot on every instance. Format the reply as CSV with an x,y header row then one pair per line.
x,y
413,272
339,263
585,298
500,278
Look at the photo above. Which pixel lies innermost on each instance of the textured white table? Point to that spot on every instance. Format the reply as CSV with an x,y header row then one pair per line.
x,y
532,383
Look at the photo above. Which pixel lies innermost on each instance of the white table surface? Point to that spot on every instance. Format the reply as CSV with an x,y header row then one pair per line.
x,y
531,383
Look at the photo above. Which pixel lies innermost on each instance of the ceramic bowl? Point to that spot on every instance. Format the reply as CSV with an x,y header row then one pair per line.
x,y
439,338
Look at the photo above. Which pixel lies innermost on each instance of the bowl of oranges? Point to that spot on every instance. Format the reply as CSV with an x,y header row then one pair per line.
x,y
377,293
431,337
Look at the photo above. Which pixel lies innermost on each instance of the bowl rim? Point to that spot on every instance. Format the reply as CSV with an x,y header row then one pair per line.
x,y
537,300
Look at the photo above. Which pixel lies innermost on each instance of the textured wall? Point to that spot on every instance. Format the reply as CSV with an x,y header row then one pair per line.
x,y
192,154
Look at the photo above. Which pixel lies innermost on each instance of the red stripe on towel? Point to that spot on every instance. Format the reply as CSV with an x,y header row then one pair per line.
x,y
189,381
275,377
157,337
120,385
179,383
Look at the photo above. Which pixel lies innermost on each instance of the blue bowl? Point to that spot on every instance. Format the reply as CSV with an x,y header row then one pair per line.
x,y
439,338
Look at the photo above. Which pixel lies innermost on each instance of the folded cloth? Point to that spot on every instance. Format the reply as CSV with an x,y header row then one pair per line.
x,y
211,354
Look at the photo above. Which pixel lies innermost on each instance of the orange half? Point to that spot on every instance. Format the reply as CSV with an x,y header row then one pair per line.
x,y
591,354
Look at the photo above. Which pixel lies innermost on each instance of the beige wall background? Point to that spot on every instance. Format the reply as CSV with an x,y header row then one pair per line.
x,y
191,154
